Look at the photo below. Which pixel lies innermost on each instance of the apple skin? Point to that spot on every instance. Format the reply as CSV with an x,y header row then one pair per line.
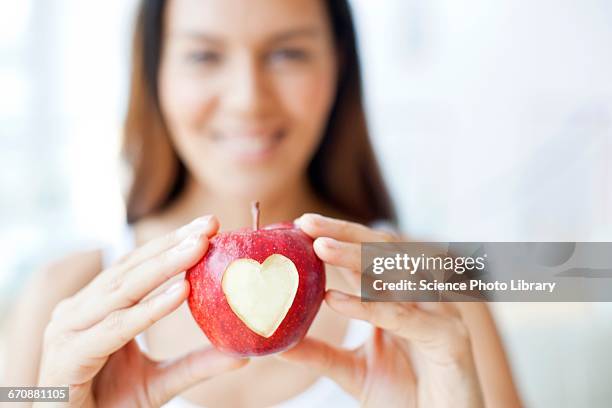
x,y
211,310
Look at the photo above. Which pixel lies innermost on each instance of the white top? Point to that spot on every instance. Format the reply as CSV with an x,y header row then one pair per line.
x,y
323,392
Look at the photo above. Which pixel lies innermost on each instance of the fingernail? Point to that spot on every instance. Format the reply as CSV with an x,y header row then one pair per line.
x,y
188,243
315,218
201,221
196,225
329,242
176,287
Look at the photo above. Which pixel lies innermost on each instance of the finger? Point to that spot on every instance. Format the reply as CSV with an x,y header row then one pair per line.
x,y
120,291
171,378
424,329
317,226
349,276
157,270
206,225
121,326
344,255
338,253
343,366
389,358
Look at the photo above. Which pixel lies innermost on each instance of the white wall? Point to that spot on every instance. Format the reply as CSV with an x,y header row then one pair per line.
x,y
493,120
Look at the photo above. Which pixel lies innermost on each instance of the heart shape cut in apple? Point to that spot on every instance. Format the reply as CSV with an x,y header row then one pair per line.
x,y
257,290
261,294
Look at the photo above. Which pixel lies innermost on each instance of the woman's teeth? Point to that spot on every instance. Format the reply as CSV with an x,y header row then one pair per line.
x,y
251,145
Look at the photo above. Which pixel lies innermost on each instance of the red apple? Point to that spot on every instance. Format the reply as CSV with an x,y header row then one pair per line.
x,y
257,291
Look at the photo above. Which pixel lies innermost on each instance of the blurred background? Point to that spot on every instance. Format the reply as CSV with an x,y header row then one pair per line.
x,y
492,121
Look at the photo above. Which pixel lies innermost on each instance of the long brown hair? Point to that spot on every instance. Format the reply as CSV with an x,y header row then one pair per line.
x,y
343,171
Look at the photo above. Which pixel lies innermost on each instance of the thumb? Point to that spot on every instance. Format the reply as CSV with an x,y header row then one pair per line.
x,y
173,377
345,367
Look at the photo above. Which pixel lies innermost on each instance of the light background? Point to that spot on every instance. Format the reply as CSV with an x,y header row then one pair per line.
x,y
492,120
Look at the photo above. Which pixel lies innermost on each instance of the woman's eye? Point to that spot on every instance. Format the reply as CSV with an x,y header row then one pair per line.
x,y
208,57
289,54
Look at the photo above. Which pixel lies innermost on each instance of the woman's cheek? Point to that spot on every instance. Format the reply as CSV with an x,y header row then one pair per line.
x,y
309,93
307,99
190,104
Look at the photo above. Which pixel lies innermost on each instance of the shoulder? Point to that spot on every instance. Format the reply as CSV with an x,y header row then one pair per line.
x,y
46,287
50,284
80,260
31,311
63,277
153,226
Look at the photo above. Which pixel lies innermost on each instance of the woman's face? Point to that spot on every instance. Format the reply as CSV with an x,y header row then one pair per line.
x,y
246,87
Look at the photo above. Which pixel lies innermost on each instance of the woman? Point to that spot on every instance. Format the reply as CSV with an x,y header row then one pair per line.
x,y
231,101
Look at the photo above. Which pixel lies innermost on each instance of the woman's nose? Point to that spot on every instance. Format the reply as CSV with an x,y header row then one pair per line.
x,y
247,90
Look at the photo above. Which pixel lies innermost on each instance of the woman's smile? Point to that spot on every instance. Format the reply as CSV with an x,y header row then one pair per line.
x,y
248,146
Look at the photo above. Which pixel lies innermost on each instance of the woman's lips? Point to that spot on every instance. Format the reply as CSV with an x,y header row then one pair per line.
x,y
247,147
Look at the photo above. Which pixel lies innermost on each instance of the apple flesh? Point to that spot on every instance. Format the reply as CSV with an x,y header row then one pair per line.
x,y
246,283
257,291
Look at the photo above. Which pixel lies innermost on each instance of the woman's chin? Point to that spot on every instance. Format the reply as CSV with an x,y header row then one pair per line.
x,y
247,187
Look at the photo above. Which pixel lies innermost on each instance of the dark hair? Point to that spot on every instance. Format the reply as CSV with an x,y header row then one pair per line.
x,y
343,171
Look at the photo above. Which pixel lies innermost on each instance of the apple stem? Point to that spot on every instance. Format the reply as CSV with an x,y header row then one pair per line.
x,y
255,214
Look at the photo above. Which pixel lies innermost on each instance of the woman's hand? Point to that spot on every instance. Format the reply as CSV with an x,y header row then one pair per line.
x,y
418,356
89,343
